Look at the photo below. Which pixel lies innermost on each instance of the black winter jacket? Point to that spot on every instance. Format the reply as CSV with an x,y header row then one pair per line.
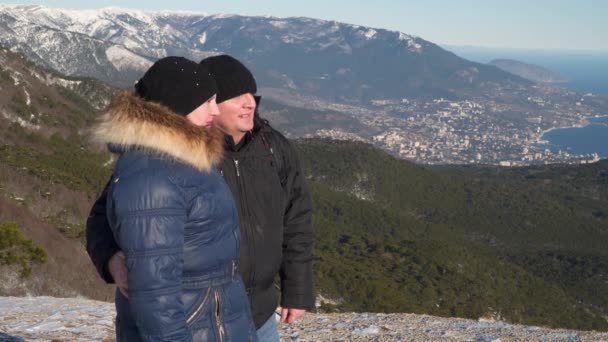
x,y
269,187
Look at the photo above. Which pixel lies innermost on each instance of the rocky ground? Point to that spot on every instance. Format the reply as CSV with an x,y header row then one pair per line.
x,y
78,319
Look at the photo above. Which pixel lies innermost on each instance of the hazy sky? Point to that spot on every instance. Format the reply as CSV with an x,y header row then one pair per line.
x,y
530,24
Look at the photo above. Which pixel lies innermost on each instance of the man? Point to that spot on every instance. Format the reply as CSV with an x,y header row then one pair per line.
x,y
265,177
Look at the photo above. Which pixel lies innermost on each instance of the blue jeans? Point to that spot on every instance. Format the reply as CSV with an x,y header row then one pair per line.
x,y
269,331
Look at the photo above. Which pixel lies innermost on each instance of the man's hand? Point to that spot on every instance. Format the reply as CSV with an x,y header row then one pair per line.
x,y
291,315
118,270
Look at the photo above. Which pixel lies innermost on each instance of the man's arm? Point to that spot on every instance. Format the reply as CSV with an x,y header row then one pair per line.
x,y
151,213
101,245
296,267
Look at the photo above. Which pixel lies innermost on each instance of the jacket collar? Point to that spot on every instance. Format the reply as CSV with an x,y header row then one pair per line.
x,y
133,123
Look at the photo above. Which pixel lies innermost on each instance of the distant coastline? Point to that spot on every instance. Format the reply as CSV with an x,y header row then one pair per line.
x,y
587,137
584,123
541,136
586,71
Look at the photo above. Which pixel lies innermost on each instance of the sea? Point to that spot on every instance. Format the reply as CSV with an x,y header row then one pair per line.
x,y
589,139
586,71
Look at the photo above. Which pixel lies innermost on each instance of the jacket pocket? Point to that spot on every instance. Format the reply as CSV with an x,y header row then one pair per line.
x,y
198,308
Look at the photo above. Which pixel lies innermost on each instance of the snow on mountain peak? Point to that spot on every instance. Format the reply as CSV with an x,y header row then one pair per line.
x,y
74,41
90,15
280,24
370,33
123,59
413,46
166,13
20,7
403,36
223,15
410,40
203,38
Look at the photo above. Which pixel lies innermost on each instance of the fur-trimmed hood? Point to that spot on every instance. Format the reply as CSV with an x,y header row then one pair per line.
x,y
132,122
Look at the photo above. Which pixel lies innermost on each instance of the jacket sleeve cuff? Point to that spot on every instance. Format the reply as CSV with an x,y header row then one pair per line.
x,y
102,257
298,301
298,294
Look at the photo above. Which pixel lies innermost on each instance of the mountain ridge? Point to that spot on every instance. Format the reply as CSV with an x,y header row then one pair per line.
x,y
529,71
266,43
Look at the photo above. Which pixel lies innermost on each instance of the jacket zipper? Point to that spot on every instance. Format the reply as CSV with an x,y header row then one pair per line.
x,y
236,167
218,321
250,234
199,308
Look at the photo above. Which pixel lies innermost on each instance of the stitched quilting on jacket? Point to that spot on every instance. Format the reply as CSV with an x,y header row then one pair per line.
x,y
174,217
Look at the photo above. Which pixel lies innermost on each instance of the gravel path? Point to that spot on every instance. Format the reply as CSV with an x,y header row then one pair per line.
x,y
410,327
40,319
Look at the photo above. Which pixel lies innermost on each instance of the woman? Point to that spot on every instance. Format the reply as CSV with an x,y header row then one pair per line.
x,y
171,213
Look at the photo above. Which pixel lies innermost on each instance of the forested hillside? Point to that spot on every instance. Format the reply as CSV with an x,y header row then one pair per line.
x,y
523,244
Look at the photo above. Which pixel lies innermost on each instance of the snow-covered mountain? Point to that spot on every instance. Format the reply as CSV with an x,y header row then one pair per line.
x,y
334,61
110,44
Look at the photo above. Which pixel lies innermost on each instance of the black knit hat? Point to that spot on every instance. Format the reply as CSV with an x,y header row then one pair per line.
x,y
232,77
178,83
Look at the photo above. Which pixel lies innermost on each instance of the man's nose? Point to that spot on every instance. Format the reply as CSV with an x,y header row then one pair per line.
x,y
250,101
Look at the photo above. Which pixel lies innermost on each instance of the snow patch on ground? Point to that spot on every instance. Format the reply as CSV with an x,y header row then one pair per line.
x,y
51,80
21,122
79,319
123,59
15,79
28,100
203,38
37,75
48,318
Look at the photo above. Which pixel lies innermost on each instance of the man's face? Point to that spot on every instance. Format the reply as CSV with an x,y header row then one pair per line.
x,y
236,116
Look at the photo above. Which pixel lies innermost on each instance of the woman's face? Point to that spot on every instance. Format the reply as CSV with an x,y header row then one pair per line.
x,y
204,114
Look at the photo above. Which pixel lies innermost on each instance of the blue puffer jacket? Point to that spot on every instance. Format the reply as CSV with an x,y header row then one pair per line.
x,y
175,219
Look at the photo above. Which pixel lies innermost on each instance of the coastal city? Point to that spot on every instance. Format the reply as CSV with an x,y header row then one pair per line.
x,y
486,130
